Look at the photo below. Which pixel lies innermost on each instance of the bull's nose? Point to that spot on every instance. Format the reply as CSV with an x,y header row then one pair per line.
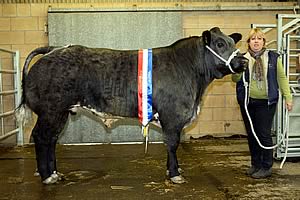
x,y
245,64
245,60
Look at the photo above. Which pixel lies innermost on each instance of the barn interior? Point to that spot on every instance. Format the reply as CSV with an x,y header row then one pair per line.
x,y
214,148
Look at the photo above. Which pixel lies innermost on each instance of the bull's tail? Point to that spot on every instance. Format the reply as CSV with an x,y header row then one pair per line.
x,y
22,112
37,51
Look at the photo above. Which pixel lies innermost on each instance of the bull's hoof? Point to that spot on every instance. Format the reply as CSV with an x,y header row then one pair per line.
x,y
51,180
60,175
180,170
178,179
36,173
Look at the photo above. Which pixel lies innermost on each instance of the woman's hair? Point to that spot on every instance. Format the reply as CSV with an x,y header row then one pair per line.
x,y
256,32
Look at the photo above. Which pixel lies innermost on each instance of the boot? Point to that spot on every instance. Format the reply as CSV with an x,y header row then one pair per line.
x,y
262,173
252,170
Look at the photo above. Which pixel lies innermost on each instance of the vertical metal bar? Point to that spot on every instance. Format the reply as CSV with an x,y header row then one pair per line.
x,y
285,118
288,40
1,100
279,104
279,33
18,94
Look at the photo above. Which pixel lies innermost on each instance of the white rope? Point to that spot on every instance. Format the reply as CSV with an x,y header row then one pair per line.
x,y
250,120
287,139
227,62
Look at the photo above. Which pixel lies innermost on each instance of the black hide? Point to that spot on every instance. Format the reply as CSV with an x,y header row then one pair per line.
x,y
106,80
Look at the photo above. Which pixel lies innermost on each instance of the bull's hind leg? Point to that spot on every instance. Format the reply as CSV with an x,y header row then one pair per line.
x,y
172,141
45,134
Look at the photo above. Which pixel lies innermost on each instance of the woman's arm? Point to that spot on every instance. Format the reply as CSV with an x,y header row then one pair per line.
x,y
236,77
284,85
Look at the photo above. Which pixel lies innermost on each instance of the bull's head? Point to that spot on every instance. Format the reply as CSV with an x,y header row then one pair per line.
x,y
222,53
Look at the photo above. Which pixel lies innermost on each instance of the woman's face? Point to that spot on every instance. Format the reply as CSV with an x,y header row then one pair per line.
x,y
256,43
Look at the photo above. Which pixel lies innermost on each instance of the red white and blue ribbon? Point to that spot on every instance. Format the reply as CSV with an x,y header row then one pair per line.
x,y
145,88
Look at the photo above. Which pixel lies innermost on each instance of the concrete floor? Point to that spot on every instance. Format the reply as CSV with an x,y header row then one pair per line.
x,y
214,169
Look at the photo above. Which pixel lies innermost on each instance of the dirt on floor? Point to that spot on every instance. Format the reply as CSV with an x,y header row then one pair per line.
x,y
214,169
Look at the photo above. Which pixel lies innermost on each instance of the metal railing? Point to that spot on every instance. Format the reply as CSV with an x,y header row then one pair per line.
x,y
287,26
15,91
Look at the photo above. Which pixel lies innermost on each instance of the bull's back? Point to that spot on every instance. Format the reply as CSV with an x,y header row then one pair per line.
x,y
103,79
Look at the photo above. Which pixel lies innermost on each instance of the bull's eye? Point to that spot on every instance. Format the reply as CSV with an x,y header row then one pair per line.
x,y
220,45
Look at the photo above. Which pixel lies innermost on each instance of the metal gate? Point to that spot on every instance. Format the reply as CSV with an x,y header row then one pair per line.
x,y
286,126
10,95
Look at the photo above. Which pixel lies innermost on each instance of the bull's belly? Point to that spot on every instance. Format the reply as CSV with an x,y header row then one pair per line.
x,y
194,117
107,118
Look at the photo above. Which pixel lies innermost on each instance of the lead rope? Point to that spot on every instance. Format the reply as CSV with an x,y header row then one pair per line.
x,y
253,131
287,139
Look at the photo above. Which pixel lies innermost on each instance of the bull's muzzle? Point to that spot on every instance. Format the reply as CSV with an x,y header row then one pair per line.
x,y
239,63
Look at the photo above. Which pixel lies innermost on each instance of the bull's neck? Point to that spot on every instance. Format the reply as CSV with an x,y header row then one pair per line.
x,y
190,55
187,50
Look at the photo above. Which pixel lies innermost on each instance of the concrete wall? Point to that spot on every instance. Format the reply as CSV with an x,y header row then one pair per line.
x,y
22,27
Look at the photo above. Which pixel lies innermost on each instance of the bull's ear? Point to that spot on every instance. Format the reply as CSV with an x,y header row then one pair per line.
x,y
206,35
236,37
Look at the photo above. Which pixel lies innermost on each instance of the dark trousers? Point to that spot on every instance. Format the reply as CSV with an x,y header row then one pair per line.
x,y
262,116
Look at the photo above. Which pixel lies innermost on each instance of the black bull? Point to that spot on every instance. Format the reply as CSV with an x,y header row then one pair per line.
x,y
105,80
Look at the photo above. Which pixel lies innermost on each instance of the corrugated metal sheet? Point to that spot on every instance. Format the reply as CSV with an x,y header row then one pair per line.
x,y
133,1
135,30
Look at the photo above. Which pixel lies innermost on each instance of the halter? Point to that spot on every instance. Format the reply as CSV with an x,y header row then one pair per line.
x,y
227,62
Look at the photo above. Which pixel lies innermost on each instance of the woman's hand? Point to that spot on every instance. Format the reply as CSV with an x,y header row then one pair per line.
x,y
289,106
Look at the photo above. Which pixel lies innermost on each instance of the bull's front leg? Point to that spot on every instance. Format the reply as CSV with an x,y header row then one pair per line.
x,y
172,162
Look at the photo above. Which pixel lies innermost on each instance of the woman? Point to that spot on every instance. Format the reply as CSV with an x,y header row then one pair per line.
x,y
265,76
